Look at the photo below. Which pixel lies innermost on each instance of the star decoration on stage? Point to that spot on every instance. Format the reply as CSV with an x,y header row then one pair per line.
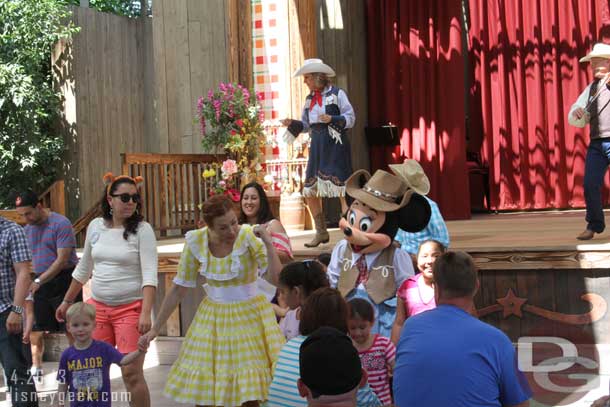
x,y
511,304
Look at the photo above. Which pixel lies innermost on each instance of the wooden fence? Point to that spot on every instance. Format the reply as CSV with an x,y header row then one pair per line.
x,y
173,187
105,74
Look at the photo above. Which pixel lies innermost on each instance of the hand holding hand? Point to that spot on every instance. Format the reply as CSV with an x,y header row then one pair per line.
x,y
286,122
145,339
325,118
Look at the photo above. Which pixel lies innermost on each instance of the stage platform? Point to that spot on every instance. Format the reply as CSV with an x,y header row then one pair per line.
x,y
517,240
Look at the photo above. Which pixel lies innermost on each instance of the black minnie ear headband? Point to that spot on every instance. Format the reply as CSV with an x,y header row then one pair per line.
x,y
110,179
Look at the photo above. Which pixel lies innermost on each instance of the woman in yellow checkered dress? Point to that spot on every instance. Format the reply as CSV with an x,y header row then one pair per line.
x,y
228,352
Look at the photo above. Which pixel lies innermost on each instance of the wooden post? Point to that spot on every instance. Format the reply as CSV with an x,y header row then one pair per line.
x,y
232,24
303,45
239,37
84,3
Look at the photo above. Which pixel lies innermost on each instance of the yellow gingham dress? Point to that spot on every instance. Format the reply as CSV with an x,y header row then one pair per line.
x,y
227,355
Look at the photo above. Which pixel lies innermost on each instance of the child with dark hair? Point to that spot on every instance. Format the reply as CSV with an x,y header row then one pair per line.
x,y
416,294
377,353
296,282
325,307
324,258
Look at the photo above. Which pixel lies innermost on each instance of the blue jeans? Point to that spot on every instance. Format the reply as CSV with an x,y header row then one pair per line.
x,y
596,165
16,362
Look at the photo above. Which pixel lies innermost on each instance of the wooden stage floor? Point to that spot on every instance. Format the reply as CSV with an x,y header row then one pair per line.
x,y
513,240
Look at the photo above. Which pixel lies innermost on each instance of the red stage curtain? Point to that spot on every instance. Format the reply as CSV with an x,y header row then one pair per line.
x,y
416,81
524,54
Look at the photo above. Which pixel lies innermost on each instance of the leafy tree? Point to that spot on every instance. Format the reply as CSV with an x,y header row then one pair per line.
x,y
30,146
129,8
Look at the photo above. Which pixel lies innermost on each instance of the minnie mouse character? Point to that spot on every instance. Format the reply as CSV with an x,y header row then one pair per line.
x,y
365,263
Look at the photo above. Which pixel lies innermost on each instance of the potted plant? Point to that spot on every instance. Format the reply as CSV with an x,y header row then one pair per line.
x,y
231,121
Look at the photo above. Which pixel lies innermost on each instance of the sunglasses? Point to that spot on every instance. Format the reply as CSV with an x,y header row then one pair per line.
x,y
126,197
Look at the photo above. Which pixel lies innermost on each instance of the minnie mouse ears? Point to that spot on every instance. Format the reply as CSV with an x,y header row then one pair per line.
x,y
110,179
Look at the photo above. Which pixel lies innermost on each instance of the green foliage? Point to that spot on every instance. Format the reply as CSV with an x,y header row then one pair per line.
x,y
30,146
128,8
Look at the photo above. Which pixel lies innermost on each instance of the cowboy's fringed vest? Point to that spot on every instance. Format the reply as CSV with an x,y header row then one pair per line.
x,y
381,283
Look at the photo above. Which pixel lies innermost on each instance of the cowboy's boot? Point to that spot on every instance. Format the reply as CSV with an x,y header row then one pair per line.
x,y
321,232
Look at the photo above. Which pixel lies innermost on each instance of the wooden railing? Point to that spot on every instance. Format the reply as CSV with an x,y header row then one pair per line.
x,y
55,197
173,187
80,226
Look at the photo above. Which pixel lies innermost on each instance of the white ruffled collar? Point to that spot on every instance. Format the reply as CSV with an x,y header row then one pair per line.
x,y
197,241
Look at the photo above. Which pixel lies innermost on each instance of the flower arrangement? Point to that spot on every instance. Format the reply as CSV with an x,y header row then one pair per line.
x,y
231,119
225,184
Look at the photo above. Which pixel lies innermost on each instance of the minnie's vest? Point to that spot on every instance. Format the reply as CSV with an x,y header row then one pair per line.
x,y
381,283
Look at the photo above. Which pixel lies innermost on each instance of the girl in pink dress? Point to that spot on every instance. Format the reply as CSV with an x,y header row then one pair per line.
x,y
416,294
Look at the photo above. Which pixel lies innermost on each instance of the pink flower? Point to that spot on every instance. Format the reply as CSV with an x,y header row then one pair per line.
x,y
233,132
229,167
222,183
239,122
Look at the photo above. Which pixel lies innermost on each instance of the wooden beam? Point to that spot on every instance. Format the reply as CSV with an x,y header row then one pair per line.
x,y
302,45
245,76
232,24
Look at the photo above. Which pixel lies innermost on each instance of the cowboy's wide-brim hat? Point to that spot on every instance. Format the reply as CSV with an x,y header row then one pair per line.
x,y
599,50
314,65
413,173
383,191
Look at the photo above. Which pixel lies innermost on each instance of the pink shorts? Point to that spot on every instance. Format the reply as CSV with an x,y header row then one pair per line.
x,y
117,325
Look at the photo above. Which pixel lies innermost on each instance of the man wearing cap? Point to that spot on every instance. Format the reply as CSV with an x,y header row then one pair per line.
x,y
327,115
14,282
330,369
446,357
592,107
51,240
436,229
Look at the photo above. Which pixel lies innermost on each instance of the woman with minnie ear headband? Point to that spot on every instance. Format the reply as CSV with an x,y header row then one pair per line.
x,y
120,257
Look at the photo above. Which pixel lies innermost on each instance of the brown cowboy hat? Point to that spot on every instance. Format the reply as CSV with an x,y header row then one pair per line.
x,y
383,191
413,173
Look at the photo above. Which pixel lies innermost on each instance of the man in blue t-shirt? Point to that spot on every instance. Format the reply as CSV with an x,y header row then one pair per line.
x,y
448,358
52,243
